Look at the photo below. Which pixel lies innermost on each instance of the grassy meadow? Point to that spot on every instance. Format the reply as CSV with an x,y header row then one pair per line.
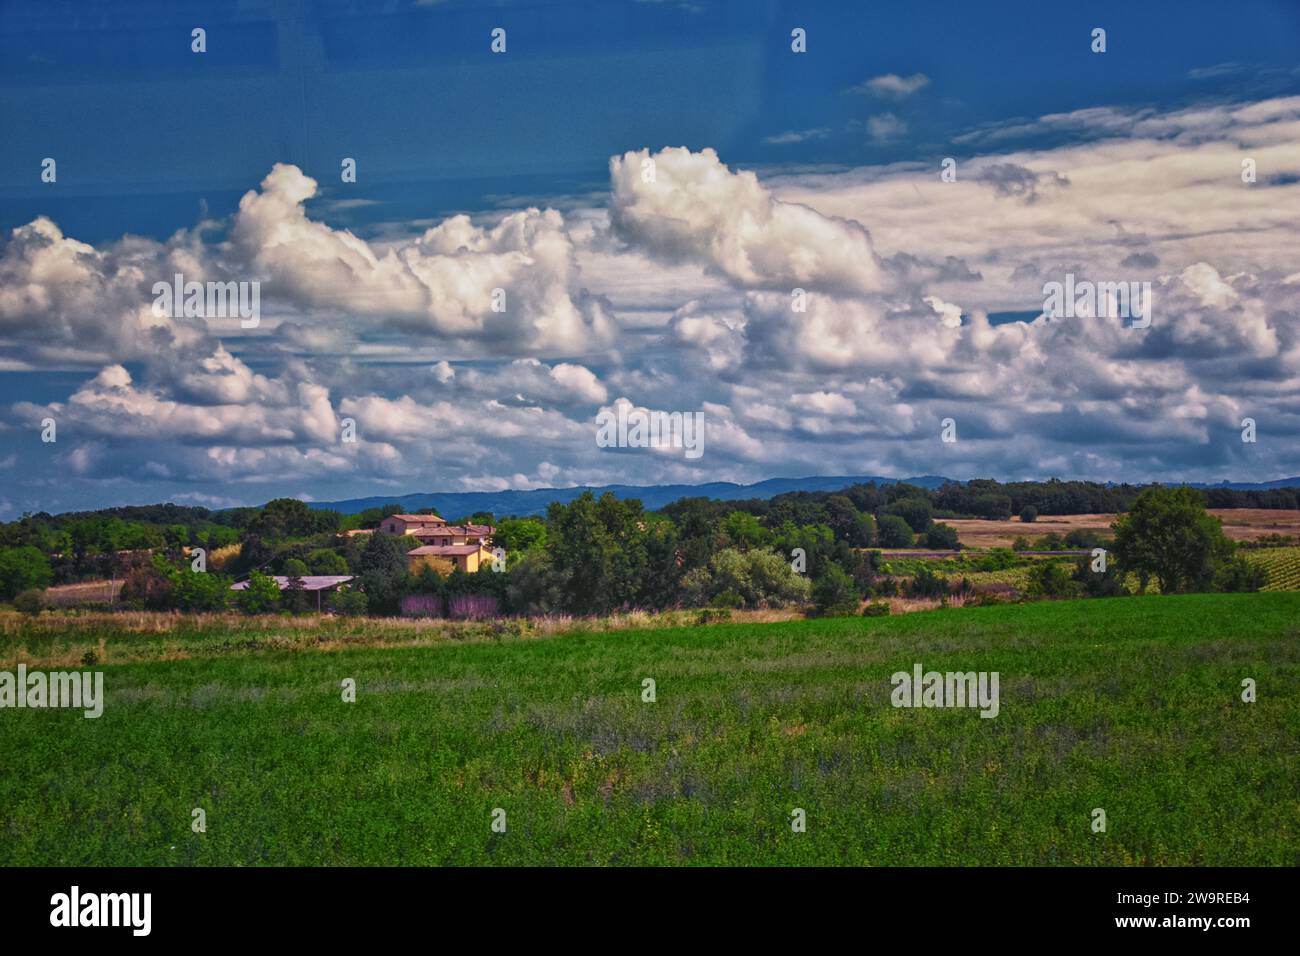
x,y
1131,705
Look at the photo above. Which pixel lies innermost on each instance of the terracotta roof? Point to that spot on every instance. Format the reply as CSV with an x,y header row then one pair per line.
x,y
446,550
419,519
310,582
479,530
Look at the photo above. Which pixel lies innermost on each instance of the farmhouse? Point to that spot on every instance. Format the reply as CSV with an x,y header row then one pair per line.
x,y
409,524
319,583
452,534
443,558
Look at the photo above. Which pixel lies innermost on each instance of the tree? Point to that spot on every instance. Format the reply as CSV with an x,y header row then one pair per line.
x,y
198,590
835,593
23,569
743,530
1028,513
295,598
942,537
1169,535
848,523
517,535
384,554
284,518
262,596
817,542
532,586
599,551
295,568
915,511
774,582
327,561
893,532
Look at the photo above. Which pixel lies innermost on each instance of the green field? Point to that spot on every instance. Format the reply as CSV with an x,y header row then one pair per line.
x,y
1131,705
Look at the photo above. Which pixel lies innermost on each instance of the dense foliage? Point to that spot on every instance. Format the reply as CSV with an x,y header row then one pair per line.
x,y
597,555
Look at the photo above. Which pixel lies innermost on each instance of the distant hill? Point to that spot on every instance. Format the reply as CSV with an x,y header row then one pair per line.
x,y
657,496
652,496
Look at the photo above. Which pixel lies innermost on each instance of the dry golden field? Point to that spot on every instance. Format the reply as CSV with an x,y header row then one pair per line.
x,y
1239,524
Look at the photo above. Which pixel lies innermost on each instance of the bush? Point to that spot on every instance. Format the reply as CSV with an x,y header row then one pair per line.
x,y
350,602
1108,583
1021,544
727,599
262,595
30,601
1236,574
711,615
926,584
1049,579
876,609
1028,514
1085,538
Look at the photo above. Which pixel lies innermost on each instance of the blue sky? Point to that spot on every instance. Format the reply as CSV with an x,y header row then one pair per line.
x,y
157,145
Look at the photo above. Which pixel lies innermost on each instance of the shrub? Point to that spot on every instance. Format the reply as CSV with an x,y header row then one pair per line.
x,y
1236,574
1108,583
710,615
876,609
926,584
1085,538
728,598
30,601
1049,579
